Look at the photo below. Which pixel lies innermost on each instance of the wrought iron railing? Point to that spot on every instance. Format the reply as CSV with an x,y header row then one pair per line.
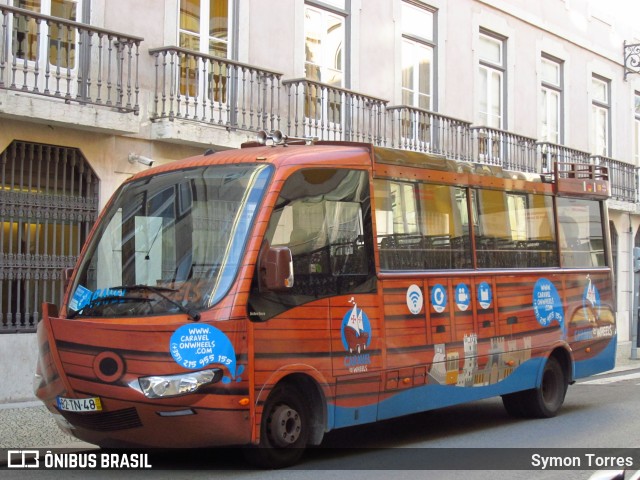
x,y
59,58
505,149
195,86
48,203
425,131
327,112
623,178
551,153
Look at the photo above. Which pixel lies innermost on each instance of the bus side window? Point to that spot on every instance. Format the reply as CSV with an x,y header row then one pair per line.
x,y
421,226
581,233
323,217
514,230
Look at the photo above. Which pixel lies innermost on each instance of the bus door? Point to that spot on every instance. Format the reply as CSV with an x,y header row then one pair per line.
x,y
327,316
355,320
357,357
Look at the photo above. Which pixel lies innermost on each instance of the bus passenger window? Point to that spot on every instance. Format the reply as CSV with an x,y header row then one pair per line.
x,y
514,230
581,233
421,226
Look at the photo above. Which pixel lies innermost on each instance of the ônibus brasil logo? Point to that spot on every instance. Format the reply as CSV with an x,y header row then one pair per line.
x,y
356,338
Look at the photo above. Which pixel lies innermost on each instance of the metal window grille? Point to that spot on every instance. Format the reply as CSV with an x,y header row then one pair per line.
x,y
48,203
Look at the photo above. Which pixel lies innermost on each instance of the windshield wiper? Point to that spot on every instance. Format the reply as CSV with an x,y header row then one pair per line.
x,y
194,314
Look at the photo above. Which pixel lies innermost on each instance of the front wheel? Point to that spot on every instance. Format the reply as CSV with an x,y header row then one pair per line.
x,y
546,400
284,430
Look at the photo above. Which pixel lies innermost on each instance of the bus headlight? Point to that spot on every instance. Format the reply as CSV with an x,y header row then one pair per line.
x,y
161,386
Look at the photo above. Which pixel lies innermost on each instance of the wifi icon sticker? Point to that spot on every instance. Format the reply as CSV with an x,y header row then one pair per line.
x,y
415,300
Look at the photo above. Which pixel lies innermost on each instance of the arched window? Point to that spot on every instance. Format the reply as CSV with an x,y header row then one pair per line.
x,y
48,204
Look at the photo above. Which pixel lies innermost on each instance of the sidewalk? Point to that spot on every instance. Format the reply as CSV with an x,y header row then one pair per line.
x,y
30,425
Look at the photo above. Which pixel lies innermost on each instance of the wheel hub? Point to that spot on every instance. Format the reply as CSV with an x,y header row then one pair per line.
x,y
285,425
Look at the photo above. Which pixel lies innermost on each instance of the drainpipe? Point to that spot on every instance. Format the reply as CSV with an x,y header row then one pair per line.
x,y
634,277
635,293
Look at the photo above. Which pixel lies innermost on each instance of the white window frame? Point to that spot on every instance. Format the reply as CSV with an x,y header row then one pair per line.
x,y
416,41
601,117
552,98
490,70
326,64
320,106
42,56
216,92
203,33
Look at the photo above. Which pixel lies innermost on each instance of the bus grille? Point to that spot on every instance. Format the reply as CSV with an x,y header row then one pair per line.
x,y
105,421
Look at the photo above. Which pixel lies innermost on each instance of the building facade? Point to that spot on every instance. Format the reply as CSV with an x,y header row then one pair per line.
x,y
91,90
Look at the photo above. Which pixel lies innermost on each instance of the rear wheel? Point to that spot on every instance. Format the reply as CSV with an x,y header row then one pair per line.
x,y
284,430
513,404
545,401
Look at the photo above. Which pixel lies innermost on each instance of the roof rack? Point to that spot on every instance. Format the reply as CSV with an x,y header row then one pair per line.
x,y
276,137
583,179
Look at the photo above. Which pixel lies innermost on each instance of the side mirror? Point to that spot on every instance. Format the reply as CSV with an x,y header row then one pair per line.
x,y
276,268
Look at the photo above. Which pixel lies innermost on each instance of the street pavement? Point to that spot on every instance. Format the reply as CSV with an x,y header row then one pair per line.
x,y
30,425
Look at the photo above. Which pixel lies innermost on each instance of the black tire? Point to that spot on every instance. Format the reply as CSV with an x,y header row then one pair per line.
x,y
546,400
284,430
513,404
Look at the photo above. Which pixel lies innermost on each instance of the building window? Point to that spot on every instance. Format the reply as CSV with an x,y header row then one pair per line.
x,y
324,64
551,113
324,31
600,111
417,56
47,213
636,128
492,73
60,42
205,26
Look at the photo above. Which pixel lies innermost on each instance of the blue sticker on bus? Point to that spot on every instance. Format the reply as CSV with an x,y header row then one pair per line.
x,y
463,298
356,330
547,304
196,346
81,298
485,296
439,298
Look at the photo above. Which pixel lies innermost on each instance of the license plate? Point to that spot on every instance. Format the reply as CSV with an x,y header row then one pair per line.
x,y
92,404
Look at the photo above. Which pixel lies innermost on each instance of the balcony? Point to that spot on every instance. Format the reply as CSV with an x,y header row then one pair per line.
x,y
428,132
328,112
623,178
505,149
195,87
66,62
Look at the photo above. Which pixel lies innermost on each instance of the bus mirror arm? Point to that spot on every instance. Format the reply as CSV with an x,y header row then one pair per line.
x,y
276,268
67,273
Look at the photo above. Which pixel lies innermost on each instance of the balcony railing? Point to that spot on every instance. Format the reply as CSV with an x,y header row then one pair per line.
x,y
505,149
214,90
320,110
424,131
59,58
550,153
623,178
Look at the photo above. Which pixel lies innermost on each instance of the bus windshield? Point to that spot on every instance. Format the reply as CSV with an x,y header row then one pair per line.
x,y
169,243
